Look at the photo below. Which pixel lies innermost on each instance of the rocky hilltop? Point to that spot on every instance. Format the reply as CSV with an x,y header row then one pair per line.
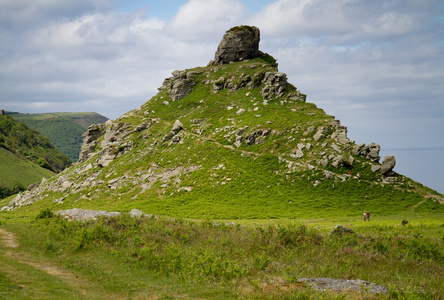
x,y
233,139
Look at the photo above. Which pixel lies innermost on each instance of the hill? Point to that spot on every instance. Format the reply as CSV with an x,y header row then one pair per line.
x,y
232,140
26,157
64,130
18,173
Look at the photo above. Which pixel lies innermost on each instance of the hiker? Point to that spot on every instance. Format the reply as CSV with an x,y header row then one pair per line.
x,y
357,175
365,216
368,216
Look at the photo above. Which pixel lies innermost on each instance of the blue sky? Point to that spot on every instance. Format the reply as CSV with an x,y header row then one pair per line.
x,y
378,66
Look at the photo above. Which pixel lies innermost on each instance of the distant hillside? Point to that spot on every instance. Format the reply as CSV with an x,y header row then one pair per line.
x,y
64,130
17,173
26,156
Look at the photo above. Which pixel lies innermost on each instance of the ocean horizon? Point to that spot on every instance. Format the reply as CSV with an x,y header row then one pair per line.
x,y
424,165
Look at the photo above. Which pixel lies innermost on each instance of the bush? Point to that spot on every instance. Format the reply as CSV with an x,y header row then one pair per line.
x,y
45,214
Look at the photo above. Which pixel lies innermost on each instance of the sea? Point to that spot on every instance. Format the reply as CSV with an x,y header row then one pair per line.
x,y
425,166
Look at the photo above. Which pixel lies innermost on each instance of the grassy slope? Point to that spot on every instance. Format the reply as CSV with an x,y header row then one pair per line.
x,y
17,170
64,130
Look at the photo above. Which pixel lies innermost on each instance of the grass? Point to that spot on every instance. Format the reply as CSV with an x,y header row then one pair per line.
x,y
18,173
164,257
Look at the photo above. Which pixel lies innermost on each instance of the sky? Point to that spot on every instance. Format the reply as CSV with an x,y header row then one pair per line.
x,y
378,66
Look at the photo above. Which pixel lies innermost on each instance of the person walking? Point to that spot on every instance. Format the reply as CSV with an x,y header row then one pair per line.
x,y
368,216
365,216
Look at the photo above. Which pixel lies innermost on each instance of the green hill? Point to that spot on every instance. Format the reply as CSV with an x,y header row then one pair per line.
x,y
64,130
18,173
26,156
231,141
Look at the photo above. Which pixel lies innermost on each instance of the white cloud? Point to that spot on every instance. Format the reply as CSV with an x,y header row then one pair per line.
x,y
201,19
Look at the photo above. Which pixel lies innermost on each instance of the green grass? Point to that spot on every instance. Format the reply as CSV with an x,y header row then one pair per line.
x,y
19,173
207,259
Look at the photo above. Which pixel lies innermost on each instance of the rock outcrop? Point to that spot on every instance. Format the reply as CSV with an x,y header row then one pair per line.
x,y
180,85
370,151
90,141
238,44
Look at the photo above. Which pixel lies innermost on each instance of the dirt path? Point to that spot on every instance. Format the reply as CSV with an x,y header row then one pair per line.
x,y
8,238
74,282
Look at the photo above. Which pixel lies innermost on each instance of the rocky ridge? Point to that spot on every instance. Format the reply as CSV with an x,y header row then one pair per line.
x,y
132,153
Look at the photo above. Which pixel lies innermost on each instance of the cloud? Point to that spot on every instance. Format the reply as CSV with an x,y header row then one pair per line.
x,y
201,19
19,14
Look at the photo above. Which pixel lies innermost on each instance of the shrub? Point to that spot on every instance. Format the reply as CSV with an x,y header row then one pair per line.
x,y
45,214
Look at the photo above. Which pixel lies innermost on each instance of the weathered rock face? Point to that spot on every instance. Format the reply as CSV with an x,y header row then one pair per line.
x,y
239,43
180,85
274,85
90,141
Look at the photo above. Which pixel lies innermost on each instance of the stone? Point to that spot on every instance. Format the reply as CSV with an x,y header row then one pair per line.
x,y
90,141
341,135
340,230
299,153
177,126
328,284
241,131
375,168
328,174
388,164
256,137
135,213
360,150
373,153
319,135
275,84
240,111
238,44
84,214
336,148
167,137
181,87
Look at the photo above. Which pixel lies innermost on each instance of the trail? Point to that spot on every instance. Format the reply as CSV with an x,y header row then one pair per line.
x,y
72,281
